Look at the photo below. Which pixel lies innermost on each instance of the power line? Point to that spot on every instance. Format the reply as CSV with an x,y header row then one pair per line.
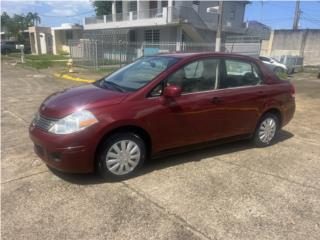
x,y
310,17
311,21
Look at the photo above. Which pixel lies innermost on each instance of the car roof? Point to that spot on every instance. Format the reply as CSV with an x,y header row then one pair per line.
x,y
205,54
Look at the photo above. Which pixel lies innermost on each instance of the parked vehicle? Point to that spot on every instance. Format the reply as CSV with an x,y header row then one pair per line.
x,y
274,65
157,105
10,47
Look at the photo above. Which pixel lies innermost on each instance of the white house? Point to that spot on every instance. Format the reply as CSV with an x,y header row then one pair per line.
x,y
165,21
47,40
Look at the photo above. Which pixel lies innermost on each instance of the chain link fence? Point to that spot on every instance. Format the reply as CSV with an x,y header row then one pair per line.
x,y
100,54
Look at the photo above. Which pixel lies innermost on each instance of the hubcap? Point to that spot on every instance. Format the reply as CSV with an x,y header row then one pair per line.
x,y
267,130
123,157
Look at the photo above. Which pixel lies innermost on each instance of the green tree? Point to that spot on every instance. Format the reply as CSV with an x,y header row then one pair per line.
x,y
5,18
102,7
33,19
13,25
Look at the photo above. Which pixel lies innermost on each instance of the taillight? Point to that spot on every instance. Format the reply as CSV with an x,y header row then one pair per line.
x,y
292,90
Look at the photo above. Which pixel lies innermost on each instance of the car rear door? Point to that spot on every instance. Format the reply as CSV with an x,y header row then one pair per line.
x,y
242,95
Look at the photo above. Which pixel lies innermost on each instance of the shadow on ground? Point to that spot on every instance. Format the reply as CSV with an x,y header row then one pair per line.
x,y
165,162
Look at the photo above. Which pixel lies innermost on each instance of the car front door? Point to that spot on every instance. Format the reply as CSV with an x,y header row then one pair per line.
x,y
194,116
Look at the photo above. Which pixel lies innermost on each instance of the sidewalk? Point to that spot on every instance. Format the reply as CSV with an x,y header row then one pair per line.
x,y
81,74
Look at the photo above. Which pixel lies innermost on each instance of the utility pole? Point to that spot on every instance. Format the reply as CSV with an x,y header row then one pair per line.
x,y
219,29
296,16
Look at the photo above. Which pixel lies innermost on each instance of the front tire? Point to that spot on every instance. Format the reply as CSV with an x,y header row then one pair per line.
x,y
266,130
121,155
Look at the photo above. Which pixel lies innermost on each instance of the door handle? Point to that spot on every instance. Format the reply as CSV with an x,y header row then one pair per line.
x,y
216,100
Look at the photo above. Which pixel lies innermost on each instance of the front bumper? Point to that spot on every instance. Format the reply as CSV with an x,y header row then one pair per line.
x,y
68,153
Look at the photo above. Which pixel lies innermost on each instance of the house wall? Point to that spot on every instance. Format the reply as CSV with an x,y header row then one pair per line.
x,y
304,43
34,34
60,41
167,34
231,21
143,7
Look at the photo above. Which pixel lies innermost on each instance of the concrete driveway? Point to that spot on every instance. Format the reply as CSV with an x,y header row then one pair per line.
x,y
232,191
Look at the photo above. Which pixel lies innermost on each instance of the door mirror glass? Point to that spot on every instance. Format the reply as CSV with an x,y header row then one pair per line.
x,y
172,91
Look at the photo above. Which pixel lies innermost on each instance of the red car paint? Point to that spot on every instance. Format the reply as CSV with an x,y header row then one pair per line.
x,y
169,122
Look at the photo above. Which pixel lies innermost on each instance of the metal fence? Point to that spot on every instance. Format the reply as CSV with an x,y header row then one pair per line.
x,y
99,54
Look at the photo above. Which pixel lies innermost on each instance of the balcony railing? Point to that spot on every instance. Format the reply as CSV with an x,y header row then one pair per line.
x,y
128,16
180,14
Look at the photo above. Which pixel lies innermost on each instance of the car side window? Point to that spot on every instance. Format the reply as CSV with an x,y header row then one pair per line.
x,y
201,75
240,73
157,91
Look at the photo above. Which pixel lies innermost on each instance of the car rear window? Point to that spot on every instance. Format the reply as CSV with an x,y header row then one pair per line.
x,y
240,73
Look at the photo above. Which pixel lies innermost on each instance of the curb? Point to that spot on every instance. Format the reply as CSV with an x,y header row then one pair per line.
x,y
68,77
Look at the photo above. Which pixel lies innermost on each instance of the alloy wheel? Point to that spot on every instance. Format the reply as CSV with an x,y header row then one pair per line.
x,y
267,130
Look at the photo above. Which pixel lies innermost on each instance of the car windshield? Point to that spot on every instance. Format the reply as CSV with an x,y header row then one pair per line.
x,y
138,73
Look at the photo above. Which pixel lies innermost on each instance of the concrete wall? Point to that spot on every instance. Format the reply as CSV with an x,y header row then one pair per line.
x,y
34,34
60,41
304,43
233,13
312,48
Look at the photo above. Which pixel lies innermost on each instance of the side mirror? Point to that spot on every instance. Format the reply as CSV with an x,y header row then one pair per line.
x,y
172,91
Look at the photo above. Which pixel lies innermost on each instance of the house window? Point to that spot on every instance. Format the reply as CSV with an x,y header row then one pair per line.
x,y
164,4
118,7
232,15
69,35
196,2
132,36
152,36
132,6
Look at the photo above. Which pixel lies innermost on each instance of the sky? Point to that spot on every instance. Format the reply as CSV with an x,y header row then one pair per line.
x,y
276,14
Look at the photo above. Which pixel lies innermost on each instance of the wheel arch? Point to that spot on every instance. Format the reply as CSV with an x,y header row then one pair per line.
x,y
141,132
274,111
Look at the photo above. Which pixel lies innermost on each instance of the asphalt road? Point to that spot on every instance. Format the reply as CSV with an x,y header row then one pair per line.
x,y
232,191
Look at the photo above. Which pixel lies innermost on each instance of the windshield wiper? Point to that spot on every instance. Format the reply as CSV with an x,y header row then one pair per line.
x,y
115,86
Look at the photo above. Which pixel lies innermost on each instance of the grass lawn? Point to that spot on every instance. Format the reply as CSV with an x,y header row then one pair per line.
x,y
40,61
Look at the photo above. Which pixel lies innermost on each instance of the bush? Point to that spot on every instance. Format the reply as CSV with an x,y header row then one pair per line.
x,y
38,64
282,75
48,57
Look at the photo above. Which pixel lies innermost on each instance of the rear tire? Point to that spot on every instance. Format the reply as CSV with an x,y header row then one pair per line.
x,y
267,130
121,156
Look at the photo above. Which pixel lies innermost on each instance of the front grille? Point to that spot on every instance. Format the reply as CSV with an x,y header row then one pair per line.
x,y
43,122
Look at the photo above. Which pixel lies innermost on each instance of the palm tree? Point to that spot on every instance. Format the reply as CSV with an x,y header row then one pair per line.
x,y
36,19
29,19
33,19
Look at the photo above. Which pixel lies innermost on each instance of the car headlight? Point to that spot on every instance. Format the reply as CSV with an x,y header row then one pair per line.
x,y
74,122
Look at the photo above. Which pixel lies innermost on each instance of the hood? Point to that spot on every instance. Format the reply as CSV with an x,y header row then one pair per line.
x,y
87,96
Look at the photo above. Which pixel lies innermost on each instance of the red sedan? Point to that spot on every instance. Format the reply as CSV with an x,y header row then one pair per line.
x,y
159,104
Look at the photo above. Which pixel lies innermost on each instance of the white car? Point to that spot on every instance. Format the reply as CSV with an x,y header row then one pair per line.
x,y
274,65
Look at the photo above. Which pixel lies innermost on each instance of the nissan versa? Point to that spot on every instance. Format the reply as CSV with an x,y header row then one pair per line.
x,y
160,104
